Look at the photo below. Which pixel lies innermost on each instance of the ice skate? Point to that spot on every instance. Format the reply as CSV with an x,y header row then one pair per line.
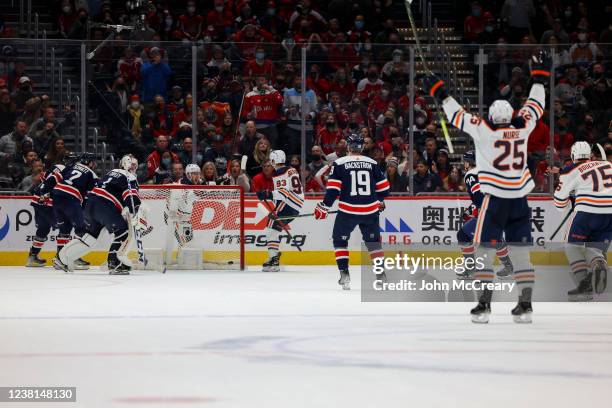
x,y
345,279
60,266
81,264
272,264
116,267
600,272
482,311
522,312
35,262
584,291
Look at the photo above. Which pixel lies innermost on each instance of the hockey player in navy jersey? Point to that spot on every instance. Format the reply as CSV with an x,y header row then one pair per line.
x,y
287,198
108,205
505,180
590,231
361,187
465,235
68,195
44,218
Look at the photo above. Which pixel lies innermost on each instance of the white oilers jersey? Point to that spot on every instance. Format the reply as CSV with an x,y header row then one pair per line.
x,y
179,203
592,184
288,187
501,153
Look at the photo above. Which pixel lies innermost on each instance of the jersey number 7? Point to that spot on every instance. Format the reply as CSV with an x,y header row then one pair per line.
x,y
510,148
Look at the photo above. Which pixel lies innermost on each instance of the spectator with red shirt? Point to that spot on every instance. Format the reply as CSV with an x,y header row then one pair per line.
x,y
328,135
67,19
263,106
154,160
128,67
159,119
260,65
371,85
190,24
312,186
330,36
317,82
474,24
358,35
342,85
380,103
262,181
341,54
183,115
221,18
304,12
248,39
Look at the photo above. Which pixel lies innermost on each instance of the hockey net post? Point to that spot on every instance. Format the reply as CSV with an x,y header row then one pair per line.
x,y
194,227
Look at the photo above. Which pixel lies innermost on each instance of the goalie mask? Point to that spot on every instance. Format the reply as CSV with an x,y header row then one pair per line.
x,y
129,163
500,112
580,151
193,173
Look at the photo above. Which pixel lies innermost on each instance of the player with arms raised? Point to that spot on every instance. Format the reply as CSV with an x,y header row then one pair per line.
x,y
361,187
108,206
505,180
288,199
590,232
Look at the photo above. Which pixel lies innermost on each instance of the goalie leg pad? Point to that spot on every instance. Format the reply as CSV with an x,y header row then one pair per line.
x,y
77,248
121,237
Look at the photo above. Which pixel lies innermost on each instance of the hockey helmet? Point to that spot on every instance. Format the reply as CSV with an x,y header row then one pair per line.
x,y
277,157
192,168
87,158
71,159
470,157
355,142
129,163
221,165
580,151
500,112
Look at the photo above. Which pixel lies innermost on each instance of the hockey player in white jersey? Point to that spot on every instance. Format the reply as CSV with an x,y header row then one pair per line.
x,y
590,231
501,154
288,199
177,215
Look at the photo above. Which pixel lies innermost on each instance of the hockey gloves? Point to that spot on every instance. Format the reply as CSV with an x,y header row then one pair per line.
x,y
541,65
320,212
434,87
382,206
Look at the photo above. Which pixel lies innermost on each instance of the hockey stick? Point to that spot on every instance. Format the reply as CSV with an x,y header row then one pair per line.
x,y
137,236
236,131
602,152
441,117
563,221
304,215
268,205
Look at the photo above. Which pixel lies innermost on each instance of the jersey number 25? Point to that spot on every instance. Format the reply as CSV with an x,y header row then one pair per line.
x,y
510,153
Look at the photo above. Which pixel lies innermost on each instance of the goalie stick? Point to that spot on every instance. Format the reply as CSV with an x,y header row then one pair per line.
x,y
137,236
441,118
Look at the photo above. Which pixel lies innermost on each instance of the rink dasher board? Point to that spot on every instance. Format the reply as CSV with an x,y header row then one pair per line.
x,y
432,221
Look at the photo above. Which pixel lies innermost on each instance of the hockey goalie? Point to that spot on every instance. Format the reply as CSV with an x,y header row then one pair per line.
x,y
177,216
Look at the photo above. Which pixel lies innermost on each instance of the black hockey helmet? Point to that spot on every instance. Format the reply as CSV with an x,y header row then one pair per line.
x,y
87,158
470,157
355,142
71,159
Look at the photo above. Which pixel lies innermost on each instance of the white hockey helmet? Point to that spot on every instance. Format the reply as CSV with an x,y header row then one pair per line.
x,y
277,157
192,168
580,151
129,163
500,112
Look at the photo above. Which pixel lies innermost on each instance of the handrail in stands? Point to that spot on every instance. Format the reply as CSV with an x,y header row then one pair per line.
x,y
44,54
36,29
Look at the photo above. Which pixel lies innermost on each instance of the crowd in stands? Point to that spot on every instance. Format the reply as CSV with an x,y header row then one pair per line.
x,y
249,98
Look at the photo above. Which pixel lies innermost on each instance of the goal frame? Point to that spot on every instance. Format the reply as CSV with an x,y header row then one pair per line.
x,y
208,187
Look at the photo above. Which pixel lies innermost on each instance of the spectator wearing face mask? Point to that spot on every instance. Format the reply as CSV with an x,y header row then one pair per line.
x,y
379,103
136,117
358,35
318,159
341,54
258,66
305,13
370,86
154,161
397,66
584,52
569,89
221,18
183,115
67,19
190,24
155,75
272,22
474,24
328,135
23,93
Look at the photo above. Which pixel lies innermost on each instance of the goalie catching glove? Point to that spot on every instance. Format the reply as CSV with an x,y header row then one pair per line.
x,y
139,220
320,212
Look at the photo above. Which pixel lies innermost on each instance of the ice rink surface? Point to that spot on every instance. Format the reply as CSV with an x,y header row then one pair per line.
x,y
291,339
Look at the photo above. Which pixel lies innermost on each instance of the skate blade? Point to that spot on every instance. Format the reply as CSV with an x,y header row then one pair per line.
x,y
118,273
36,265
346,286
482,318
524,318
580,298
272,269
81,267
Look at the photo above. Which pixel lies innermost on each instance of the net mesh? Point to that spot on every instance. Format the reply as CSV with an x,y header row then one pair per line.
x,y
189,222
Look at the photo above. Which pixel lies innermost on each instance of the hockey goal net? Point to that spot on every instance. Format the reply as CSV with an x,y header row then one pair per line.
x,y
194,227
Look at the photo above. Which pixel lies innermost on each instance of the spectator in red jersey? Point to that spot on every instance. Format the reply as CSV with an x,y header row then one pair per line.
x,y
341,54
304,12
474,24
537,144
370,86
263,106
262,181
328,135
260,65
67,19
128,67
248,39
190,24
221,18
159,119
214,110
245,16
273,23
312,186
358,35
330,36
380,103
317,82
155,158
342,85
183,115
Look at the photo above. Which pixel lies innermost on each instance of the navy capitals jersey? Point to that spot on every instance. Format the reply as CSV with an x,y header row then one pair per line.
x,y
76,182
359,183
472,185
49,180
120,188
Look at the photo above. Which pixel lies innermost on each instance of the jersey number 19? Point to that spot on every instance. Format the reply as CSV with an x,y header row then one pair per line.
x,y
360,183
